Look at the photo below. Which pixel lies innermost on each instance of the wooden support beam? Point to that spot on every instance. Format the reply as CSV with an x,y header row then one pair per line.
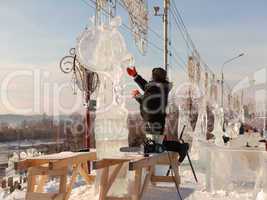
x,y
63,184
88,178
118,198
146,181
147,161
164,179
31,181
44,196
74,175
42,181
103,183
137,184
35,171
100,164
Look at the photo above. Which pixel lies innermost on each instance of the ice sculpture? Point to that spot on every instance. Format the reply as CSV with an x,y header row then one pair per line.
x,y
201,125
232,129
184,120
242,115
230,169
218,125
103,49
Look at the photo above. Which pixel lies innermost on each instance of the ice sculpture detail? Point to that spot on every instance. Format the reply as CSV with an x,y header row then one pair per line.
x,y
102,48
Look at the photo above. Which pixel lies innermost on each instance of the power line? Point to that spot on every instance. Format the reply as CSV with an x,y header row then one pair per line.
x,y
179,64
186,36
190,38
124,25
180,30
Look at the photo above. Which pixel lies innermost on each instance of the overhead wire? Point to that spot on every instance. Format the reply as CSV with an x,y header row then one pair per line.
x,y
130,30
189,38
173,54
123,25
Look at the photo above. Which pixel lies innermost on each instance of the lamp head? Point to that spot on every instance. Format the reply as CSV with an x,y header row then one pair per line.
x,y
156,10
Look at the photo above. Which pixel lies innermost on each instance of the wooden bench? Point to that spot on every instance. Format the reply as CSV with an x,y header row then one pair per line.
x,y
136,164
55,165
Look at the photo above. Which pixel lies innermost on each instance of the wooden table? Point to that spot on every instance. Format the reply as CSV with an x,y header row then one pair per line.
x,y
136,163
55,165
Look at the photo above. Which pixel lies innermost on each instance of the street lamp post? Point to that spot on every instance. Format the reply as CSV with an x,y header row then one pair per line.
x,y
222,81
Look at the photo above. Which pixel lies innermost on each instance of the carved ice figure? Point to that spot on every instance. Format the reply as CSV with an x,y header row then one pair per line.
x,y
184,120
242,115
103,49
232,129
201,125
218,125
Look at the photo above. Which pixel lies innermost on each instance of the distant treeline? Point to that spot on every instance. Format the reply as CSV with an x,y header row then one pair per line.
x,y
42,129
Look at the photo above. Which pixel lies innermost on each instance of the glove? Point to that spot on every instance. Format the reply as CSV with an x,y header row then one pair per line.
x,y
135,93
131,71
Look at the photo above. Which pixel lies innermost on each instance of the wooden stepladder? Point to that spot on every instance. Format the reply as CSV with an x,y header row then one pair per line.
x,y
40,169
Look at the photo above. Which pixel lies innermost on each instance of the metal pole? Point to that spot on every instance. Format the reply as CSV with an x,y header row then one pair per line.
x,y
165,28
222,89
87,129
222,81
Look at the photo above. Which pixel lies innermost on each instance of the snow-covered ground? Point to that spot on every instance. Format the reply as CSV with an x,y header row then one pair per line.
x,y
189,190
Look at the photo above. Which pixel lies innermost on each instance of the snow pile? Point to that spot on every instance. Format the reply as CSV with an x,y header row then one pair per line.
x,y
16,195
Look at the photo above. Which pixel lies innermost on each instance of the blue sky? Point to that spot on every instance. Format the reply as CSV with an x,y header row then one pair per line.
x,y
36,34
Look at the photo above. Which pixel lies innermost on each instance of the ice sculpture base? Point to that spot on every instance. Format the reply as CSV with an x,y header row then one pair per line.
x,y
233,168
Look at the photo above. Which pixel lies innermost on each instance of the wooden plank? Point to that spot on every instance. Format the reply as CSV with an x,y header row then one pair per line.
x,y
72,181
166,160
146,181
152,169
31,181
65,157
100,164
146,161
85,167
44,196
42,181
137,184
174,168
118,198
103,183
25,164
161,179
88,178
63,184
79,158
46,171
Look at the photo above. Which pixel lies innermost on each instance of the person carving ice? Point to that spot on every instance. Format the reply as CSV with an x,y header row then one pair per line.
x,y
153,103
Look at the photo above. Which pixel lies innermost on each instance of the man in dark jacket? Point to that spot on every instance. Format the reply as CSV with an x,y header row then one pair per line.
x,y
154,101
153,105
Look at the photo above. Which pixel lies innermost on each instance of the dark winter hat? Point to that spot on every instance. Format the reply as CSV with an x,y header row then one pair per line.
x,y
159,74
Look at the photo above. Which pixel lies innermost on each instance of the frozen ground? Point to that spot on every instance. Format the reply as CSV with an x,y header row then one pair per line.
x,y
189,190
